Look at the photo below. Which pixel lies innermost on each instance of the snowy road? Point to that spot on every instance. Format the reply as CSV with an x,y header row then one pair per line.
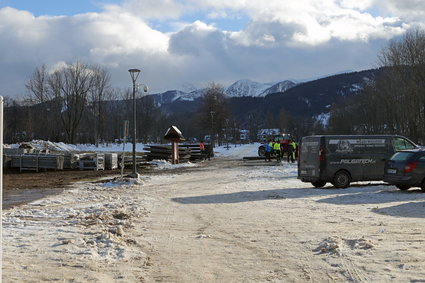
x,y
225,220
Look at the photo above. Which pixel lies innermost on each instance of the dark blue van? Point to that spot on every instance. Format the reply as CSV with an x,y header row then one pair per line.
x,y
342,159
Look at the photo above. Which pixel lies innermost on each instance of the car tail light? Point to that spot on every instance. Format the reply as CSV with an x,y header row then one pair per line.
x,y
321,155
410,166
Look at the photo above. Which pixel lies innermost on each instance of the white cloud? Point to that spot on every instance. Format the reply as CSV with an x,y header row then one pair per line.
x,y
281,39
357,4
149,9
405,7
217,15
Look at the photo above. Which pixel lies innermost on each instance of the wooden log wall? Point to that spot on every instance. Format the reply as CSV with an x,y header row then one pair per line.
x,y
187,152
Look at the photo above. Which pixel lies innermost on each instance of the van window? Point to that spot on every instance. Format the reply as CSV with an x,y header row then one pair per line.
x,y
360,145
402,156
310,149
402,144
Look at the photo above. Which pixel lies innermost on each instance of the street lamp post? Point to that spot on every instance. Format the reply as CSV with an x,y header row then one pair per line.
x,y
212,128
227,133
134,73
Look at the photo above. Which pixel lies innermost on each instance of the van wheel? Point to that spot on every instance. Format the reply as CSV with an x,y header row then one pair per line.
x,y
318,184
341,179
404,187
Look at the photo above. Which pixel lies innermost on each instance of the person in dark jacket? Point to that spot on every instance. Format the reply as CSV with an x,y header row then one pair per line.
x,y
269,150
290,147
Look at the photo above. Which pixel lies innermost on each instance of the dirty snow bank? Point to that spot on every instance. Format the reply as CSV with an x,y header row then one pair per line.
x,y
87,226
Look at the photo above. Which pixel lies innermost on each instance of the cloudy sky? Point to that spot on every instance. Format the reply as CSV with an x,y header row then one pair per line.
x,y
181,42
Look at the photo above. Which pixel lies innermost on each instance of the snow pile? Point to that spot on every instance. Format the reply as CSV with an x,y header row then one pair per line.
x,y
331,245
90,221
60,146
125,181
47,146
163,164
336,245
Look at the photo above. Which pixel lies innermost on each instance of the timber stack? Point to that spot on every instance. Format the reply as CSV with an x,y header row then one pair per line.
x,y
187,152
164,152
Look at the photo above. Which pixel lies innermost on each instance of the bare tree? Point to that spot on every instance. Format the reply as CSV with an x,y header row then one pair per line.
x,y
37,87
406,59
98,94
395,102
70,87
148,116
213,111
80,100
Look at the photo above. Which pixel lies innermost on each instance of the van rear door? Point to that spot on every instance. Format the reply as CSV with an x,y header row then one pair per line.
x,y
309,161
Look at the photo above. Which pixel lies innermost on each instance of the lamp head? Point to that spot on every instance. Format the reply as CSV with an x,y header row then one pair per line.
x,y
134,73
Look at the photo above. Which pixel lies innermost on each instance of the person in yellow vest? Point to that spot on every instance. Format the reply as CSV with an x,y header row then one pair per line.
x,y
276,149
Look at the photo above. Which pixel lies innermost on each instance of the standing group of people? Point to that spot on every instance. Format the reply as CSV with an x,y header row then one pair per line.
x,y
276,148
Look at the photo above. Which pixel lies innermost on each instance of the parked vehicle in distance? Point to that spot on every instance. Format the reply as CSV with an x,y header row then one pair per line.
x,y
283,139
342,159
406,169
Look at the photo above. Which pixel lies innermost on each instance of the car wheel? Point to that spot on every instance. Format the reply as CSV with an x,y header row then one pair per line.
x,y
341,179
318,184
261,151
423,185
403,187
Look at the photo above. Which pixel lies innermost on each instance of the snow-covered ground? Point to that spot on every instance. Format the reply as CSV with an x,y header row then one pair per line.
x,y
224,220
237,151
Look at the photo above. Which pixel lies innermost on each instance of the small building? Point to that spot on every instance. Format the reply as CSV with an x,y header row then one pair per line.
x,y
264,133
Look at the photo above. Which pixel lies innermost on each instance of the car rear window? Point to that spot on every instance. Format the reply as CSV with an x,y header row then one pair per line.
x,y
402,156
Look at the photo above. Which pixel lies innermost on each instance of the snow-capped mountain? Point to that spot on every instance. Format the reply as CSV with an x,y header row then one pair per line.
x,y
250,88
171,96
279,87
188,87
241,88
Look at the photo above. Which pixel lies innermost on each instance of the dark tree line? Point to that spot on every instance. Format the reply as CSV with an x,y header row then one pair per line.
x,y
395,102
77,104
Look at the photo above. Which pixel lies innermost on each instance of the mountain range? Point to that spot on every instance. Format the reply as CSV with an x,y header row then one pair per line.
x,y
241,88
311,99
